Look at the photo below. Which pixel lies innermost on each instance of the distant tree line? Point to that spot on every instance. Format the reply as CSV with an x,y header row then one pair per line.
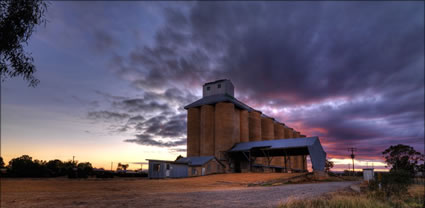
x,y
25,166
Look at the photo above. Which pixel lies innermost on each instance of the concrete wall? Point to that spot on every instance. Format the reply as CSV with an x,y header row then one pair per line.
x,y
193,132
207,131
244,126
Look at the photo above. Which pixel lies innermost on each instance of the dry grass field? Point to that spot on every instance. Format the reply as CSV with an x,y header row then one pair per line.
x,y
119,192
415,198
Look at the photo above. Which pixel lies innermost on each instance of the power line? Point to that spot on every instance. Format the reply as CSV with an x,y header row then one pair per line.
x,y
352,149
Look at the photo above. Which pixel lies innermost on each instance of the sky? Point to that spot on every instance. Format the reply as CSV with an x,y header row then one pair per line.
x,y
114,76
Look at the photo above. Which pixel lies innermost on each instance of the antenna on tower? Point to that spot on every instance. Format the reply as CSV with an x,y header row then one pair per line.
x,y
352,150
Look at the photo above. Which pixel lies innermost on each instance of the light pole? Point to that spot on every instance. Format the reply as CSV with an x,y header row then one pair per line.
x,y
352,156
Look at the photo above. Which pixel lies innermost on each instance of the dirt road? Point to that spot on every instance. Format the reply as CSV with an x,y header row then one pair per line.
x,y
226,190
248,197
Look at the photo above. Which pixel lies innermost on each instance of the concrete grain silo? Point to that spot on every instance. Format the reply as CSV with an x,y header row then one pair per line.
x,y
286,132
299,160
304,157
254,126
289,160
237,126
218,121
193,132
224,128
289,133
267,128
279,133
244,126
207,130
267,132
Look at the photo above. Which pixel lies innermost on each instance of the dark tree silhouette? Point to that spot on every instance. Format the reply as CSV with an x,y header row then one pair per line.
x,y
122,166
403,157
1,162
56,168
24,166
17,22
84,169
328,165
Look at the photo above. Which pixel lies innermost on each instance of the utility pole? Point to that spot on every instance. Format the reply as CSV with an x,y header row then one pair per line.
x,y
352,156
73,157
111,165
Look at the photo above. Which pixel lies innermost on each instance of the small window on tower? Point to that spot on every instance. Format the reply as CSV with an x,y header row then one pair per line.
x,y
208,88
219,86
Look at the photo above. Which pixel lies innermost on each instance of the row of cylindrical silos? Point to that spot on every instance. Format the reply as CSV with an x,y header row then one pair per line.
x,y
214,129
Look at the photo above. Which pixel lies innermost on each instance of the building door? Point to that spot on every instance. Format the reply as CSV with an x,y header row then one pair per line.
x,y
167,170
237,166
203,171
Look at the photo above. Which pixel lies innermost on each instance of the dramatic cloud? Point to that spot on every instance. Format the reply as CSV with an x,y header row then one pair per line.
x,y
349,72
145,139
156,118
107,115
137,105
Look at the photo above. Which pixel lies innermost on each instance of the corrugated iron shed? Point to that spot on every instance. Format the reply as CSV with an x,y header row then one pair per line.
x,y
287,147
195,161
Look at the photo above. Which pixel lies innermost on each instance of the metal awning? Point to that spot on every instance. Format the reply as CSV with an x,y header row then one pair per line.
x,y
284,147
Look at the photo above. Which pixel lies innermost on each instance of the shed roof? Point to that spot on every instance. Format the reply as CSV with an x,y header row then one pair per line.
x,y
280,147
195,160
166,161
276,144
216,81
212,99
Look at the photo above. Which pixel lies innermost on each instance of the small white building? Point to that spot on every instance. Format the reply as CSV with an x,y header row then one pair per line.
x,y
368,174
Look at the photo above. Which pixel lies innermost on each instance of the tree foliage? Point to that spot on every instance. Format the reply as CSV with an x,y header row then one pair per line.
x,y
403,157
25,166
17,22
328,165
1,162
404,162
55,168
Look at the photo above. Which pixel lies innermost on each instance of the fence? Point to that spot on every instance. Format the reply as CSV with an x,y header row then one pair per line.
x,y
419,180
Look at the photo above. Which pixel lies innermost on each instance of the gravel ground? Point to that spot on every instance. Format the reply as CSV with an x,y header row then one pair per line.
x,y
226,190
248,197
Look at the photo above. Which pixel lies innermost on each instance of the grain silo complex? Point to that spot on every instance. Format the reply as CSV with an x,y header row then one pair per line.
x,y
244,139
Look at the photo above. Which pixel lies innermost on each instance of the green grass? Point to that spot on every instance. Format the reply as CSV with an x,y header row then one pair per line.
x,y
413,199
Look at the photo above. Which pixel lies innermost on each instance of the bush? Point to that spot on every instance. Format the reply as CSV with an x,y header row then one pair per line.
x,y
394,183
413,199
84,170
24,166
56,168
